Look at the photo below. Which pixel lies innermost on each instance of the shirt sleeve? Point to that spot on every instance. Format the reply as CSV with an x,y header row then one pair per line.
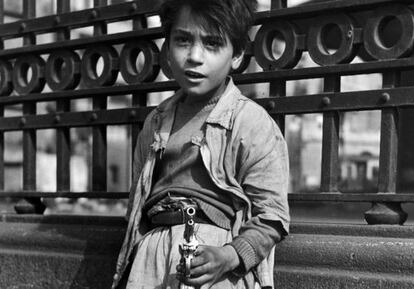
x,y
255,242
142,143
264,176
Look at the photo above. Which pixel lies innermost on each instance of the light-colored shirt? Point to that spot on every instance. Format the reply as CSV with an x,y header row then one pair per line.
x,y
244,154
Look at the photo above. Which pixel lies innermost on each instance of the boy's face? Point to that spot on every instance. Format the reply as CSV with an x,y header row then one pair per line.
x,y
200,61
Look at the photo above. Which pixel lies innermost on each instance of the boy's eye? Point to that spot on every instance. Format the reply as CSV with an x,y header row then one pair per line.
x,y
214,43
181,40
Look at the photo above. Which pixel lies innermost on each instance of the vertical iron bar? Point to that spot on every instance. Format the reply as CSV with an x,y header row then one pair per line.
x,y
388,151
29,12
2,147
138,99
100,28
29,152
330,140
63,144
99,133
389,141
30,205
1,20
63,6
29,136
278,88
388,213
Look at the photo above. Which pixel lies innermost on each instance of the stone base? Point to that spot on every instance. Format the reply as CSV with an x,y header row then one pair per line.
x,y
330,256
66,252
42,252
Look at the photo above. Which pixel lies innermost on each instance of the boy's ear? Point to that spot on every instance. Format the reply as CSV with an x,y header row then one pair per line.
x,y
236,61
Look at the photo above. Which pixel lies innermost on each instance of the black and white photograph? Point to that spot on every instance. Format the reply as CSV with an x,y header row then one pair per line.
x,y
206,144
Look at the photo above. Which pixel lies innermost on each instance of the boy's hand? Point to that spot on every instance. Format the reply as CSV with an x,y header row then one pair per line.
x,y
209,264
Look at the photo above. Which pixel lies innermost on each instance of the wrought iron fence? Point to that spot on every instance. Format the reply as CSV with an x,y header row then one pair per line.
x,y
69,69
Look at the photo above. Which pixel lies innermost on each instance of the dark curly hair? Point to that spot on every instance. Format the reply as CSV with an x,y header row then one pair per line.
x,y
231,18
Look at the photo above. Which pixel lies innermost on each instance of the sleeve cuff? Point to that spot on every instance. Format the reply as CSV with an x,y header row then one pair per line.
x,y
247,254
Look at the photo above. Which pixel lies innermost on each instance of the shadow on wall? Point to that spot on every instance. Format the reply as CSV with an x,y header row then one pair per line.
x,y
65,252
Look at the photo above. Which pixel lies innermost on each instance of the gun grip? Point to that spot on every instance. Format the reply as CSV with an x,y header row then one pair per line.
x,y
188,266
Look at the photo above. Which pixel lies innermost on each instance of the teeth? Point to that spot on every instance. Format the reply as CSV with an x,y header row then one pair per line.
x,y
193,74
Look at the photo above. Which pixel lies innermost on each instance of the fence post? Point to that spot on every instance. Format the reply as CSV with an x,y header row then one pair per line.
x,y
138,99
277,88
330,140
388,213
29,205
63,142
99,144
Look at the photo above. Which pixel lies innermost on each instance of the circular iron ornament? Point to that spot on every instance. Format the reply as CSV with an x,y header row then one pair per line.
x,y
163,61
110,66
403,46
63,70
347,48
129,55
263,45
6,82
21,83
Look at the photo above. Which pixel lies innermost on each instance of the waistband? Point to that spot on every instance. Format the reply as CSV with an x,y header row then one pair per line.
x,y
176,217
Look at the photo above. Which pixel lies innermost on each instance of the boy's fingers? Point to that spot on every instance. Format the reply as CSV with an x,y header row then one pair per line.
x,y
199,250
197,266
198,260
199,271
201,280
180,276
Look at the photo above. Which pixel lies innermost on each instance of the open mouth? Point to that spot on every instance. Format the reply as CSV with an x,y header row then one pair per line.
x,y
193,74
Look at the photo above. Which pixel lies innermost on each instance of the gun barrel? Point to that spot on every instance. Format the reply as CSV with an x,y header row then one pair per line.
x,y
190,244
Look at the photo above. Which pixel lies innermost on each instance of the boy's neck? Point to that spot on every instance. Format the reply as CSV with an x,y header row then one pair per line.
x,y
206,99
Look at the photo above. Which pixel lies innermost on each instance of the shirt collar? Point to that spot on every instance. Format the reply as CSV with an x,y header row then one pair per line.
x,y
171,102
222,114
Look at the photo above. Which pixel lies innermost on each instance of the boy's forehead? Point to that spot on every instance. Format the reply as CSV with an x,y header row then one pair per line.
x,y
193,24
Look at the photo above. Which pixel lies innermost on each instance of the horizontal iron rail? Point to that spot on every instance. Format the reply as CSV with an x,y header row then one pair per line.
x,y
90,92
352,197
294,197
324,71
75,119
316,103
69,195
118,38
344,101
314,9
86,17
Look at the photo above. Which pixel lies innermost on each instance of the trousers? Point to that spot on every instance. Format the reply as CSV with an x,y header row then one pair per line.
x,y
157,255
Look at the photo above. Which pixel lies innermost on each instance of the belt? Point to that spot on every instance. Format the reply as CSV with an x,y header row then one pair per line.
x,y
176,217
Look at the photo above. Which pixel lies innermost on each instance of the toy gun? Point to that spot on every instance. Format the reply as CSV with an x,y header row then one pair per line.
x,y
190,244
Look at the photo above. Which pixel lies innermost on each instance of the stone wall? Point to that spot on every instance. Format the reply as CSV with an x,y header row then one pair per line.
x,y
63,252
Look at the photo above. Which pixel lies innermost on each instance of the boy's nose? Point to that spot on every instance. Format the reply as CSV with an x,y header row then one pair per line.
x,y
195,54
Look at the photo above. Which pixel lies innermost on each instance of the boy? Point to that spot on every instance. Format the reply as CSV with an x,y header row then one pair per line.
x,y
211,149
